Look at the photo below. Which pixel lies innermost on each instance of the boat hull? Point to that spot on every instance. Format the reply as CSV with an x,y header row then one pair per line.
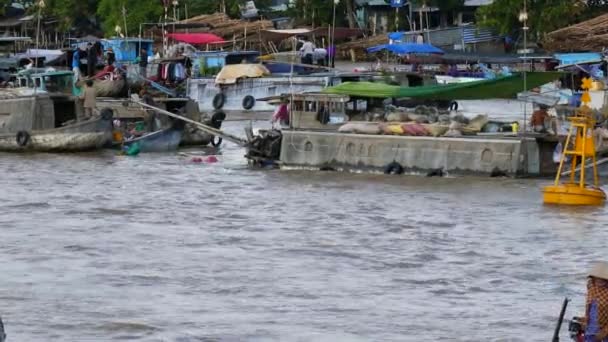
x,y
203,91
414,154
444,79
83,136
166,140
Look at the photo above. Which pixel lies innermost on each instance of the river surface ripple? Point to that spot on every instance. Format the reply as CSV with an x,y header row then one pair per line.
x,y
100,247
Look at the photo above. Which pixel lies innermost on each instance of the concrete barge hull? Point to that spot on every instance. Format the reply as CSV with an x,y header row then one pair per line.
x,y
514,157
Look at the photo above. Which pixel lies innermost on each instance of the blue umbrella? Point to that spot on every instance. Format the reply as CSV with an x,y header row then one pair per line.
x,y
407,48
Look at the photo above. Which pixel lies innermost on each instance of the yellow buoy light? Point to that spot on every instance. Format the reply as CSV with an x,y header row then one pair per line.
x,y
579,146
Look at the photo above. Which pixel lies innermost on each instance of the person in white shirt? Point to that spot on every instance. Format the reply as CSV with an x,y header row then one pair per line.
x,y
307,51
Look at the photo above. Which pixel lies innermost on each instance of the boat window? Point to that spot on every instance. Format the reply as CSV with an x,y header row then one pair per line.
x,y
37,82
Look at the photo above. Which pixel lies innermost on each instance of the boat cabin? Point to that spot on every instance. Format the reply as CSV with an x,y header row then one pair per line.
x,y
318,111
58,85
209,63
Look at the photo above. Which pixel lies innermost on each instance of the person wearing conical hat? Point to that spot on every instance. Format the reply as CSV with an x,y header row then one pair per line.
x,y
596,309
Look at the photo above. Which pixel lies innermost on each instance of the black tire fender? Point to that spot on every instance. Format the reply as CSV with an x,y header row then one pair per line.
x,y
218,100
23,138
393,168
217,118
216,141
248,102
453,106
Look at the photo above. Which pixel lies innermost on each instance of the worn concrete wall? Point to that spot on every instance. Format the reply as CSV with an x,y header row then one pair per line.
x,y
456,155
26,113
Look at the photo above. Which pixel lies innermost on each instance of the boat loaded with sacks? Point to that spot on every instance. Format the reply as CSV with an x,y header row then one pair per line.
x,y
50,124
350,128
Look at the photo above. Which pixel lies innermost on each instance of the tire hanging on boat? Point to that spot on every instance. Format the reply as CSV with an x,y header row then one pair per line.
x,y
23,138
218,100
248,102
453,106
217,118
216,141
393,168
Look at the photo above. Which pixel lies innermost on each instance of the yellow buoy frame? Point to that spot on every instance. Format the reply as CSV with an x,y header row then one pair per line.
x,y
580,135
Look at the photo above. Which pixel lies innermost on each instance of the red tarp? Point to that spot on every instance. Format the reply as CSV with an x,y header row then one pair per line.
x,y
196,38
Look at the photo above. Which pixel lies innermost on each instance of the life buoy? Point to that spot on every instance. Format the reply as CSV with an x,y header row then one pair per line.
x,y
218,100
248,102
393,168
453,106
23,138
107,114
216,141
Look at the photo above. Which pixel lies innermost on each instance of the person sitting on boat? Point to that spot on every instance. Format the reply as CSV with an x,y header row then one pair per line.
x,y
106,73
30,64
539,119
89,96
595,322
281,114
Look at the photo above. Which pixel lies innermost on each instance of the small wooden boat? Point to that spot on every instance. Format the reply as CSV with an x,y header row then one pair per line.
x,y
82,136
164,140
40,123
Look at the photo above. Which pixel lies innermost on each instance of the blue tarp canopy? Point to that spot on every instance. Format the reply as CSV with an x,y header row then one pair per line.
x,y
407,48
396,35
566,59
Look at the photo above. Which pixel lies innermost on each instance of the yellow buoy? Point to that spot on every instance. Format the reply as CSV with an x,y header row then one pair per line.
x,y
579,146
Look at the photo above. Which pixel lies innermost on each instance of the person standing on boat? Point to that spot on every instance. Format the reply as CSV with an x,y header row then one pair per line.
x,y
76,64
539,119
281,114
596,308
307,50
91,59
143,63
89,96
110,56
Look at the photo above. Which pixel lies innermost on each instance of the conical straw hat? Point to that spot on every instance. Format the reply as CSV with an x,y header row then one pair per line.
x,y
600,270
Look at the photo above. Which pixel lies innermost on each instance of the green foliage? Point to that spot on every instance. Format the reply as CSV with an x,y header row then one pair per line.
x,y
543,15
323,12
197,7
137,12
67,11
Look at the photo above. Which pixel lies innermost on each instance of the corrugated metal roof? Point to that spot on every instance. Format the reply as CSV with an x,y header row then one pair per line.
x,y
472,34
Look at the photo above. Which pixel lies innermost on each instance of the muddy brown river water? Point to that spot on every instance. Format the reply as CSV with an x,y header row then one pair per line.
x,y
100,247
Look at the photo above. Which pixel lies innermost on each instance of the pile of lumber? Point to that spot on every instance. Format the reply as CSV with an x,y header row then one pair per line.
x,y
223,26
585,36
357,49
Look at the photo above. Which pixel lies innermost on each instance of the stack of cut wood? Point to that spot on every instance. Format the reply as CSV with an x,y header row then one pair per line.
x,y
358,47
222,25
585,36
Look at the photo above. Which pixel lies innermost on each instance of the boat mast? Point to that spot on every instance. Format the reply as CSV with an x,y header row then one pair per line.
x,y
41,5
523,17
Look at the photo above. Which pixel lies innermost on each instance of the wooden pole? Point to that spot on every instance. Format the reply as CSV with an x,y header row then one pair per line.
x,y
203,127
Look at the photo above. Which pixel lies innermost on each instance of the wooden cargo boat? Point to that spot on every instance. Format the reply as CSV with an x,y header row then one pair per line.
x,y
49,124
